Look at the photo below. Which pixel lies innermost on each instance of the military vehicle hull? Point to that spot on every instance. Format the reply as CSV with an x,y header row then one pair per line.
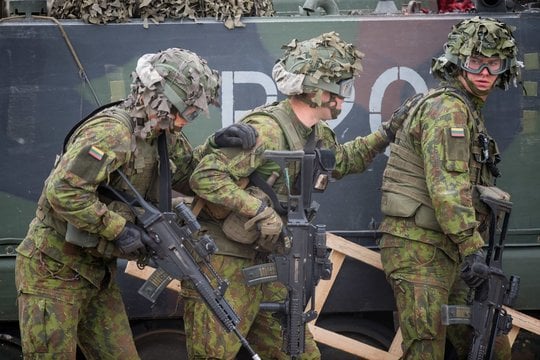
x,y
44,92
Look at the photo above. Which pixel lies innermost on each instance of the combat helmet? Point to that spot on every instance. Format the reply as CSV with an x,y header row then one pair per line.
x,y
173,79
323,63
479,36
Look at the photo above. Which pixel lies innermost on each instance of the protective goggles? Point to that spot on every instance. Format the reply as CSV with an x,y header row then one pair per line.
x,y
476,65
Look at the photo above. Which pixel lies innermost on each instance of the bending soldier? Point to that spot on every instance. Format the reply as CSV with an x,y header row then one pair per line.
x,y
316,75
65,268
431,225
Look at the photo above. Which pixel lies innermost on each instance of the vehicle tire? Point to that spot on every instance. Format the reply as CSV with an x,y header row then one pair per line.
x,y
10,348
364,330
161,344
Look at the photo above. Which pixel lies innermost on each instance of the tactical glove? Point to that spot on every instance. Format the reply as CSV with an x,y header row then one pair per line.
x,y
236,135
131,240
269,224
474,270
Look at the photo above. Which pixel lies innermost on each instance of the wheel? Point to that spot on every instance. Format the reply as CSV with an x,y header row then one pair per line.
x,y
162,344
364,330
10,348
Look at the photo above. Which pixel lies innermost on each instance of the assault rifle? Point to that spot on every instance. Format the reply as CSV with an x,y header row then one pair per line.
x,y
174,249
485,313
306,261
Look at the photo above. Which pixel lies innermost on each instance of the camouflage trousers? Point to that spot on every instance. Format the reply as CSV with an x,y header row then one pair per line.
x,y
424,278
205,336
59,310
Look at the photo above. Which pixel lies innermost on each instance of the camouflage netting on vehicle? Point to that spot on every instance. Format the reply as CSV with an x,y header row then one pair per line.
x,y
103,11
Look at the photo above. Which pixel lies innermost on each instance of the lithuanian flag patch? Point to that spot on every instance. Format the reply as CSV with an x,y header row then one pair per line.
x,y
457,132
96,153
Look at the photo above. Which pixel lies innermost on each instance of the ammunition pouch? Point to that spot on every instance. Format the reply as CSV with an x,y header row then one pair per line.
x,y
399,205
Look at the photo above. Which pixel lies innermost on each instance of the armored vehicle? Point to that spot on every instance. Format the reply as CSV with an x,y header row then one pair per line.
x,y
53,72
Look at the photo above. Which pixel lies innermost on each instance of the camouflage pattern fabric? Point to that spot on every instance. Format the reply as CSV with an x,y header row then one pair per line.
x,y
444,147
99,147
59,309
421,263
102,11
262,329
215,176
214,179
424,278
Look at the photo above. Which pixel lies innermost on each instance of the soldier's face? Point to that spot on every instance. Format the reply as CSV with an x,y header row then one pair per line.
x,y
478,84
333,106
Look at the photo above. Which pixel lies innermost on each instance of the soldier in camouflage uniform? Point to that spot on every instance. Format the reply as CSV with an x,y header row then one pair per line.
x,y
431,225
66,265
317,75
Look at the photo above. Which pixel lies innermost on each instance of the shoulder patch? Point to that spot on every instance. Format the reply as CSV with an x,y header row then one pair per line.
x,y
96,153
457,132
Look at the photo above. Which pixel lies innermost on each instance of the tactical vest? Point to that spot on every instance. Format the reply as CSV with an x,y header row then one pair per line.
x,y
404,189
282,115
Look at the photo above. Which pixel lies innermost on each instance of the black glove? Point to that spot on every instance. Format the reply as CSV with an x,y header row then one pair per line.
x,y
391,126
474,270
236,135
132,239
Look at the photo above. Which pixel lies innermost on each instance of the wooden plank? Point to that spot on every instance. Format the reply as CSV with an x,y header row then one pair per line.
x,y
523,321
395,347
353,250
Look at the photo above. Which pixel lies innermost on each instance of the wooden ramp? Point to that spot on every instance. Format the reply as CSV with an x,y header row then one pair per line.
x,y
342,248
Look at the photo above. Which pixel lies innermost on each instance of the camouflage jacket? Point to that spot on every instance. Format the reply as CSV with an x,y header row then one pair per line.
x,y
215,177
440,142
95,150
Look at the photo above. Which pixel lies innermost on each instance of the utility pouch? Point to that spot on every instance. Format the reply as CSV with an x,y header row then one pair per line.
x,y
393,204
80,238
425,218
399,205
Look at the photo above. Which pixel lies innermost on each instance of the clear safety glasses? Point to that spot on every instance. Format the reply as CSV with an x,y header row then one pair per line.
x,y
476,65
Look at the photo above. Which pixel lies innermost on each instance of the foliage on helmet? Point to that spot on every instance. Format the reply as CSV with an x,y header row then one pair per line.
x,y
173,79
478,36
316,64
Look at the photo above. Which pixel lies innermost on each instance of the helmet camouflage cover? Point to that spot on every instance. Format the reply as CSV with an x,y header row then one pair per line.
x,y
172,79
479,36
317,64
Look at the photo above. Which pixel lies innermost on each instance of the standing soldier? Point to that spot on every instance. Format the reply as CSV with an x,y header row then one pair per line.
x,y
440,154
66,265
316,75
